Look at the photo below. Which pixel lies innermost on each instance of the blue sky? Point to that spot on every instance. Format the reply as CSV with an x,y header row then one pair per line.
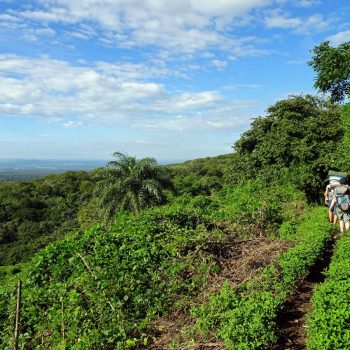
x,y
174,80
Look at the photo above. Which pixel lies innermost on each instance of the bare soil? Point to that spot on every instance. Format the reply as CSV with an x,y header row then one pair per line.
x,y
291,326
240,260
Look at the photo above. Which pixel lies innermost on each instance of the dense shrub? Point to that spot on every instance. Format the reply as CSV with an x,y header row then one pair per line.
x,y
101,288
105,286
294,142
35,213
263,205
245,318
329,321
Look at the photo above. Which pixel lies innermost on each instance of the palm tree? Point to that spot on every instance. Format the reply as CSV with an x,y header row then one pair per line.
x,y
132,185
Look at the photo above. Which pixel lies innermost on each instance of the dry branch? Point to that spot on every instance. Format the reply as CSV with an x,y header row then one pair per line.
x,y
18,314
95,278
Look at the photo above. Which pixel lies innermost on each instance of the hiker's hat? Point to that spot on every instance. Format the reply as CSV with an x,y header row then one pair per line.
x,y
342,180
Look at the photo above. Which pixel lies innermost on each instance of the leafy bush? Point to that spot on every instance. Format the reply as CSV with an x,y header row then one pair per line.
x,y
329,321
293,142
264,205
35,213
99,290
244,318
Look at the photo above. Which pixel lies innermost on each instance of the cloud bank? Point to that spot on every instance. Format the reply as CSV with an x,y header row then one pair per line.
x,y
106,93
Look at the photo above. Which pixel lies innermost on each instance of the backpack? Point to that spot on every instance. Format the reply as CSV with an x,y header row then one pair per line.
x,y
342,197
330,194
330,190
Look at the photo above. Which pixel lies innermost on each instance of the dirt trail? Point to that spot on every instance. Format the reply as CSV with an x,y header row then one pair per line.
x,y
240,260
291,326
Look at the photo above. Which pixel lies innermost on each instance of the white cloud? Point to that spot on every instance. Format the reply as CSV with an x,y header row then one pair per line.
x,y
339,38
221,116
197,123
182,25
279,20
227,7
72,124
34,34
307,3
242,86
314,23
105,93
58,89
219,64
4,17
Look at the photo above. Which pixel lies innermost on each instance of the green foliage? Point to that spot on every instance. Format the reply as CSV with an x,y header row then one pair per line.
x,y
288,230
202,176
328,323
343,156
111,283
259,204
294,142
101,288
138,268
8,272
245,318
243,321
32,214
187,211
331,65
131,184
291,132
90,214
346,125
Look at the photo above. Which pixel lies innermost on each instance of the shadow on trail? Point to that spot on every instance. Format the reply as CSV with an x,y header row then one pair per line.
x,y
291,328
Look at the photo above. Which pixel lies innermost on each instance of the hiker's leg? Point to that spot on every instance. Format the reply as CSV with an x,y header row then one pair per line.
x,y
335,216
347,221
330,216
339,213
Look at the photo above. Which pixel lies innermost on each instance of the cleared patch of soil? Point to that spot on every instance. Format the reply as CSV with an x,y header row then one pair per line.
x,y
291,326
240,260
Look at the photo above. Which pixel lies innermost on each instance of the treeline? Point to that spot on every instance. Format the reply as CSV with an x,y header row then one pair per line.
x,y
105,286
114,278
33,213
22,175
297,142
142,241
202,176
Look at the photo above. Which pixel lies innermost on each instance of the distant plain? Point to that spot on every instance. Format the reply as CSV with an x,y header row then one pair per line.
x,y
28,169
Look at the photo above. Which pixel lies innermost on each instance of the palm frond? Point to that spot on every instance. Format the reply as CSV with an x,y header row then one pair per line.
x,y
131,184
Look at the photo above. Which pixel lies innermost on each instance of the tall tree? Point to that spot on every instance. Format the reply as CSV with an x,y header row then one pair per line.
x,y
300,136
132,184
332,65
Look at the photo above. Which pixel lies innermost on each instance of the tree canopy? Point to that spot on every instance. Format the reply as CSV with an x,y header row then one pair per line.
x,y
34,213
300,136
295,130
332,65
132,184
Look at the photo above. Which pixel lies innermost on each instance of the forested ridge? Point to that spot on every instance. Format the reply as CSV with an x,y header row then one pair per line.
x,y
196,255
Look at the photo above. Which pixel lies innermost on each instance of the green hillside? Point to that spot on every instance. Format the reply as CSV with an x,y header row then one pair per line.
x,y
217,248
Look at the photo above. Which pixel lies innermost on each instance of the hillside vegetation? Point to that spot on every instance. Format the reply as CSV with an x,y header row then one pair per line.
x,y
104,283
33,213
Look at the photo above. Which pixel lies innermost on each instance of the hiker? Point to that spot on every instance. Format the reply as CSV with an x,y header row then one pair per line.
x,y
341,203
328,197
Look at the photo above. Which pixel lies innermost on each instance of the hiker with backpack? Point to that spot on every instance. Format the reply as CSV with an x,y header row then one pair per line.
x,y
328,197
341,203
